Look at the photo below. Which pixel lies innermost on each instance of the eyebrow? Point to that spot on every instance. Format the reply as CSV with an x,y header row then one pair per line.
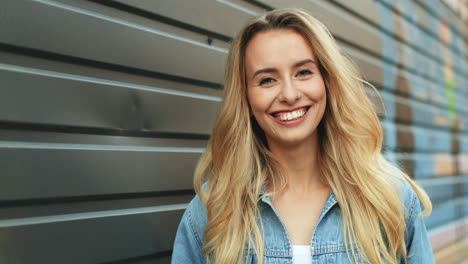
x,y
297,64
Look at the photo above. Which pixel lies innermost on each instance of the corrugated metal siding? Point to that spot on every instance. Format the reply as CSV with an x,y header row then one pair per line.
x,y
106,106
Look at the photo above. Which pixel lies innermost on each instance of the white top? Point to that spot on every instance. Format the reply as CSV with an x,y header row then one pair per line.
x,y
301,254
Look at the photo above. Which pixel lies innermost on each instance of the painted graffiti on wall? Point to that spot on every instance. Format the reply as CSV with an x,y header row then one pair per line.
x,y
459,6
445,40
421,68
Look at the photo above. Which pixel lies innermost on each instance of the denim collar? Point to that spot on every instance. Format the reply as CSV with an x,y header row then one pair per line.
x,y
331,201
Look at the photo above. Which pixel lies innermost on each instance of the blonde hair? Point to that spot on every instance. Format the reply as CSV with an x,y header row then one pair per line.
x,y
237,162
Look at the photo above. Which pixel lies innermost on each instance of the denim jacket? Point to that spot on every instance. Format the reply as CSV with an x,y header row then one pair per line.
x,y
327,243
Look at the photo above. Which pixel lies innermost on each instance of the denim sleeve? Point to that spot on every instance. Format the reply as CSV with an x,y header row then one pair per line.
x,y
419,248
187,245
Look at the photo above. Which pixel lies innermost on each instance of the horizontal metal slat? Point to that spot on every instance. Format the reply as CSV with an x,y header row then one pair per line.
x,y
43,62
425,165
94,237
440,11
463,163
371,68
83,204
222,17
441,189
445,212
56,98
32,24
366,8
420,139
32,171
448,234
43,137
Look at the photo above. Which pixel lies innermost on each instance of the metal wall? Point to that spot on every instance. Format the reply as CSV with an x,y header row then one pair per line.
x,y
106,106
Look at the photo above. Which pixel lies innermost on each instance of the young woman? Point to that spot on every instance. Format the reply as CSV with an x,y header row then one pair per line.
x,y
293,172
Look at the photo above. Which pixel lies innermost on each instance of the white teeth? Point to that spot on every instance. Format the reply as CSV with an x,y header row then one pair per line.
x,y
291,115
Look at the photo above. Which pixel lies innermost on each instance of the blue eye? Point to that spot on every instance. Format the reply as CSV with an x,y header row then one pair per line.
x,y
304,73
266,81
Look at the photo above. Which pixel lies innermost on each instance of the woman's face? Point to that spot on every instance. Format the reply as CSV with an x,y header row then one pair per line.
x,y
285,89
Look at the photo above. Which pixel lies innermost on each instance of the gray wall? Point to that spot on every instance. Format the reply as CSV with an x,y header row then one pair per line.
x,y
106,106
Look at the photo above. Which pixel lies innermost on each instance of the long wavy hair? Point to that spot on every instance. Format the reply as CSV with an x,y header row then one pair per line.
x,y
237,162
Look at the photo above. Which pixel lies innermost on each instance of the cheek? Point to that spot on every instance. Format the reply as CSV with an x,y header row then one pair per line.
x,y
315,90
259,101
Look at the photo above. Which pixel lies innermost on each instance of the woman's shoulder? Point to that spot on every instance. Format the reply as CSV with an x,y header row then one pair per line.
x,y
196,211
408,195
189,238
416,237
195,217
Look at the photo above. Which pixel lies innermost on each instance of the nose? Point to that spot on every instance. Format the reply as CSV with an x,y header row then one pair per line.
x,y
289,93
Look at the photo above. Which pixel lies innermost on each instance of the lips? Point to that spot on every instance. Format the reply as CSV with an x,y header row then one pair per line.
x,y
289,115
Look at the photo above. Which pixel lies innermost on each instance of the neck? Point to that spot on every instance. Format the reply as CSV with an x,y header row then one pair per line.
x,y
299,165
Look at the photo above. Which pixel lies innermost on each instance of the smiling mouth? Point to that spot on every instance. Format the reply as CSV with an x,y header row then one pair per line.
x,y
291,115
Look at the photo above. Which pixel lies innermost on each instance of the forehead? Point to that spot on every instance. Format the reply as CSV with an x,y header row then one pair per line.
x,y
276,48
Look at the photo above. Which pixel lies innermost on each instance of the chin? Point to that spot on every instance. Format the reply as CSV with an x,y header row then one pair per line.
x,y
294,140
